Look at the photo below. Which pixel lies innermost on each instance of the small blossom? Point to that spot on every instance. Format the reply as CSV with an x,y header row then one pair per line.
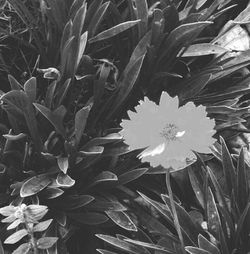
x,y
168,133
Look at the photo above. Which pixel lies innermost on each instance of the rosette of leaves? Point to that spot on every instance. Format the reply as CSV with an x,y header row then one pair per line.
x,y
53,158
218,223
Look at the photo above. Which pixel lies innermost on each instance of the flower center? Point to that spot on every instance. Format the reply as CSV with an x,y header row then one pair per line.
x,y
171,132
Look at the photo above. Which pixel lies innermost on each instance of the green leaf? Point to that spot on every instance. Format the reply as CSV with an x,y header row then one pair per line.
x,y
30,89
8,210
178,38
131,175
64,180
55,117
63,164
90,218
141,13
202,49
213,217
104,205
193,86
46,242
111,32
228,167
206,245
195,250
42,226
22,249
122,220
106,251
34,185
125,246
35,213
75,201
150,246
14,84
16,237
104,177
110,138
18,102
242,190
50,193
80,122
97,18
82,46
186,223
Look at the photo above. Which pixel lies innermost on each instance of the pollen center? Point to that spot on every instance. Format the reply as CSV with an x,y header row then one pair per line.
x,y
171,132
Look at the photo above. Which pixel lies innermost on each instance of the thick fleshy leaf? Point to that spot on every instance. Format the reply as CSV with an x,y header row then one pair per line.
x,y
103,205
122,220
63,164
16,237
106,251
8,210
111,32
34,185
80,122
228,167
242,182
151,246
90,218
214,223
141,12
55,117
74,202
202,49
195,250
104,177
64,180
110,138
22,249
125,246
179,37
51,193
186,223
18,103
46,242
131,175
35,212
30,89
207,245
131,72
14,84
42,226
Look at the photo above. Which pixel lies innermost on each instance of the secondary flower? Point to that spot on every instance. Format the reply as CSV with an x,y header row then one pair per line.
x,y
168,133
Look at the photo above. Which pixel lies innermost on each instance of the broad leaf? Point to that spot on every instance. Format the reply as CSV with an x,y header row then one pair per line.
x,y
122,219
16,237
46,242
22,249
42,226
34,185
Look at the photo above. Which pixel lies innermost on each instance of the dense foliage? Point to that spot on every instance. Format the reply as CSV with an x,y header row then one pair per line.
x,y
70,71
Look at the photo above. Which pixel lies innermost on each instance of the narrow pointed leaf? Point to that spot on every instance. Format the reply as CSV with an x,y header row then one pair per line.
x,y
122,220
16,237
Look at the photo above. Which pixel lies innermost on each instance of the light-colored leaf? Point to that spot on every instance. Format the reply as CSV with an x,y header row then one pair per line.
x,y
46,242
34,185
22,249
42,226
16,237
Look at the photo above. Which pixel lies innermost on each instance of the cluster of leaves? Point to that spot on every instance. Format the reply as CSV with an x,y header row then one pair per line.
x,y
87,63
217,224
27,218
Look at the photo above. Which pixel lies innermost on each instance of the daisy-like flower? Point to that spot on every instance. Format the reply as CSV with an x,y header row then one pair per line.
x,y
168,133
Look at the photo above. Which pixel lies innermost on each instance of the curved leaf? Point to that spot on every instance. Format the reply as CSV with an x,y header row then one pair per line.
x,y
16,237
34,185
122,220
